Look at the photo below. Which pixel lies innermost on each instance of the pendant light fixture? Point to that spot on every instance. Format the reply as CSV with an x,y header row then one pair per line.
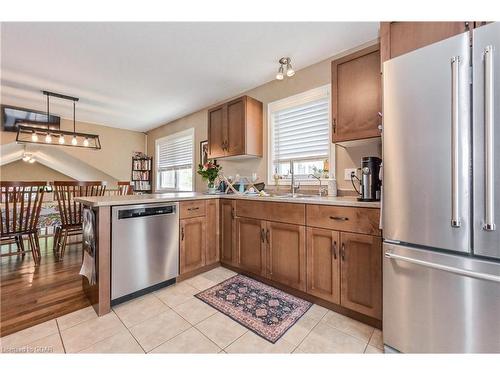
x,y
285,66
35,131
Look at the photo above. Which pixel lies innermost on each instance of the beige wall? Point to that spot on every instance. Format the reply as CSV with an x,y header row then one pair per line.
x,y
305,79
23,171
114,158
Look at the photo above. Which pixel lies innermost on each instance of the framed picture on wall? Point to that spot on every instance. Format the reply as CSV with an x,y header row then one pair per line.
x,y
203,152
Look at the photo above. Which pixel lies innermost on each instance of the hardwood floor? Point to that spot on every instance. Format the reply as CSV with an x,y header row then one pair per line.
x,y
31,295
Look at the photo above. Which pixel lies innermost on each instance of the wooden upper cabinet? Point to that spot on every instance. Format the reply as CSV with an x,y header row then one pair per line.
x,y
398,38
323,264
361,273
228,232
193,244
356,95
235,129
286,249
216,134
250,245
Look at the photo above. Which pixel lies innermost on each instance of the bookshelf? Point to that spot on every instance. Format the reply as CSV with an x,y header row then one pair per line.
x,y
142,174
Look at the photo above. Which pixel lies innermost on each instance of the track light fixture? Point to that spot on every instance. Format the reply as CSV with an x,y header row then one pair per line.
x,y
285,66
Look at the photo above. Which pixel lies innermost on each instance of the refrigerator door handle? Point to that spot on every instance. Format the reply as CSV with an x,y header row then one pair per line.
x,y
442,267
455,141
489,219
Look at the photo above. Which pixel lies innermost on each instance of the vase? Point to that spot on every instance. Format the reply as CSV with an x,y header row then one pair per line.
x,y
211,188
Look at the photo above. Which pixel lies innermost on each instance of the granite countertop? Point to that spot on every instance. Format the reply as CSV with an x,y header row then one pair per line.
x,y
120,200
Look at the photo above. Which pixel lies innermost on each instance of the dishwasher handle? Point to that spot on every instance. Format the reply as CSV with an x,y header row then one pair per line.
x,y
146,211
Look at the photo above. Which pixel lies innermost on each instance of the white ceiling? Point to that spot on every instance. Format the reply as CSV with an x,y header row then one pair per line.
x,y
141,75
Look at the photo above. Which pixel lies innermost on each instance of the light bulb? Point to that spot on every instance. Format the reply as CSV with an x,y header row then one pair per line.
x,y
61,139
86,142
289,70
74,142
26,157
31,160
279,75
48,138
34,137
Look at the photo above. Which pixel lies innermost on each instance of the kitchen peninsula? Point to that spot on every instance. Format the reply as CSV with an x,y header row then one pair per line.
x,y
325,249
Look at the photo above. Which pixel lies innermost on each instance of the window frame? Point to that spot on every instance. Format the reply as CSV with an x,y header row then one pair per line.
x,y
183,133
292,101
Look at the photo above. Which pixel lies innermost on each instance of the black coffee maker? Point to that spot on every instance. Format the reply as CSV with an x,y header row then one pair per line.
x,y
370,183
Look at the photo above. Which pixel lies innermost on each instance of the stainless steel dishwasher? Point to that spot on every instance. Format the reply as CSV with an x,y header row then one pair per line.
x,y
144,249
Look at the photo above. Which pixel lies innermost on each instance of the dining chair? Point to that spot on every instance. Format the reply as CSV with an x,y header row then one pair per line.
x,y
71,211
124,188
20,204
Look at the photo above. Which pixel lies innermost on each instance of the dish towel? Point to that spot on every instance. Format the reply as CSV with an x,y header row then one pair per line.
x,y
88,264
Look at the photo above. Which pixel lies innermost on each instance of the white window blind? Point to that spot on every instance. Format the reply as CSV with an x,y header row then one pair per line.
x,y
299,132
174,161
302,132
176,152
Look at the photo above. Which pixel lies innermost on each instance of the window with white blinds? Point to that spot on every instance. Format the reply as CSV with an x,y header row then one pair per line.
x,y
174,161
300,132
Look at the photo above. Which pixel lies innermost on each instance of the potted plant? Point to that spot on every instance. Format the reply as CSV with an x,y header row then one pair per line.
x,y
209,172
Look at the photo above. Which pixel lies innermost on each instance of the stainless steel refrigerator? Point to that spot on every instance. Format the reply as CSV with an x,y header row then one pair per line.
x,y
441,196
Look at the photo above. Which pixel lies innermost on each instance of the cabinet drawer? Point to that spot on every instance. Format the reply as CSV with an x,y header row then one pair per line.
x,y
347,219
291,213
189,209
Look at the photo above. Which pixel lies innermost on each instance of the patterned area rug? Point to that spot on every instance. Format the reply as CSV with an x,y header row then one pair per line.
x,y
267,311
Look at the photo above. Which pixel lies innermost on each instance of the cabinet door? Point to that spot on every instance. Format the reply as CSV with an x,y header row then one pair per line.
x,y
250,245
228,232
193,244
356,95
323,264
398,38
212,216
216,136
361,273
235,128
286,254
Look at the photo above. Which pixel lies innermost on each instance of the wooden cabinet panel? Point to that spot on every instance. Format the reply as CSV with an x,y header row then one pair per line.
x,y
286,249
228,232
216,132
349,219
361,274
323,264
398,38
212,216
293,213
189,209
235,127
193,244
356,95
250,245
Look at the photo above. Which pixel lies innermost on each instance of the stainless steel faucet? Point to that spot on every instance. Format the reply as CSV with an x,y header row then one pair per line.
x,y
322,190
293,188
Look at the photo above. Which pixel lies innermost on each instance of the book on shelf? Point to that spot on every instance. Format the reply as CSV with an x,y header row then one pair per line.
x,y
140,175
142,185
141,164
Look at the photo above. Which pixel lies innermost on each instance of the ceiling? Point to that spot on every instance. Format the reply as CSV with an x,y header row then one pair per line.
x,y
141,75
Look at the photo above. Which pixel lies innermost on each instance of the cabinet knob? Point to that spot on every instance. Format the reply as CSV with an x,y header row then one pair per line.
x,y
343,252
339,218
262,235
182,234
267,236
334,249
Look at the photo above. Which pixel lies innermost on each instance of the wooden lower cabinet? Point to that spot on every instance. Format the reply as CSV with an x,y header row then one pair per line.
x,y
323,264
212,215
227,232
250,245
286,249
192,243
361,273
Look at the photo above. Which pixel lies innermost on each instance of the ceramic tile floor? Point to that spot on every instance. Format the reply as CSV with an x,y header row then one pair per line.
x,y
172,320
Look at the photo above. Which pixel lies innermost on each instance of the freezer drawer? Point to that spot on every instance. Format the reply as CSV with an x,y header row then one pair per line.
x,y
440,303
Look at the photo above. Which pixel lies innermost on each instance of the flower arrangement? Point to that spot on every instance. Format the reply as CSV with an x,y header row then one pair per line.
x,y
209,172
